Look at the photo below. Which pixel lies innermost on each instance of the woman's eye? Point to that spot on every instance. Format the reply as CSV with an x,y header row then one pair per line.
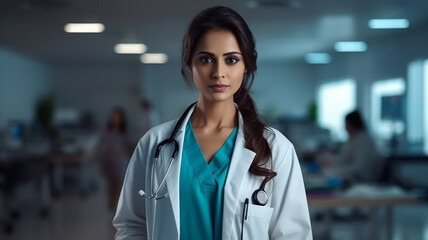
x,y
232,60
205,60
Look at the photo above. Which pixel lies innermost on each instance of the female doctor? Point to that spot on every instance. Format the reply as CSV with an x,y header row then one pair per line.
x,y
232,177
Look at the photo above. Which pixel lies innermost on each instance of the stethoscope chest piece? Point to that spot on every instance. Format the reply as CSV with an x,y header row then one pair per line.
x,y
260,197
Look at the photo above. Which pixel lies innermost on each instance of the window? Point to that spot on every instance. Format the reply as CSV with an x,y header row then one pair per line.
x,y
336,99
425,107
387,111
417,106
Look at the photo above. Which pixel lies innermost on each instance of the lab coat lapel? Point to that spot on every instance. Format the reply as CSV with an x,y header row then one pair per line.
x,y
173,177
239,166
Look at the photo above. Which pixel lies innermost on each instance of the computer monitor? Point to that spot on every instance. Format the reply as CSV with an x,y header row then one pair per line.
x,y
14,136
392,107
16,131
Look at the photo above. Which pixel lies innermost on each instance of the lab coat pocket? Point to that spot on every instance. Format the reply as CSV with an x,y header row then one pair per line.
x,y
256,226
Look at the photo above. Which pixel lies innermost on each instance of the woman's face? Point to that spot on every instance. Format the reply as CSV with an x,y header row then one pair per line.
x,y
218,66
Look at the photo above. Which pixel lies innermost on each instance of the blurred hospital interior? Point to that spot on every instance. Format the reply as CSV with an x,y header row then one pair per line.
x,y
73,71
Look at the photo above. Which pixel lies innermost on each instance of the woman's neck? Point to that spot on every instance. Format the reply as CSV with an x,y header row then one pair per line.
x,y
215,114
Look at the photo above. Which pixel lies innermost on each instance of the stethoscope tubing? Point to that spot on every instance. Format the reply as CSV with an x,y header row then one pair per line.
x,y
171,139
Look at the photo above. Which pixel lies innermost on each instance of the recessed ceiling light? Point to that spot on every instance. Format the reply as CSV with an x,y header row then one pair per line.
x,y
130,48
350,46
156,58
84,27
318,58
388,23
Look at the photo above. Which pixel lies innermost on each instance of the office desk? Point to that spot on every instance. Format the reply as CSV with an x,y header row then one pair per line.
x,y
62,161
337,201
375,203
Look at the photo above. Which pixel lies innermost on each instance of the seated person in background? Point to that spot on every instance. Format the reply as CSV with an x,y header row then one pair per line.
x,y
358,159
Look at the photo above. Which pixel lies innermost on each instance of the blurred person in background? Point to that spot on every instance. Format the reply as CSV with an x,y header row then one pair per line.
x,y
358,159
114,150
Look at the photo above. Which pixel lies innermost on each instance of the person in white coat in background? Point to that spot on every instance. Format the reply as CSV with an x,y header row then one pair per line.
x,y
221,174
358,160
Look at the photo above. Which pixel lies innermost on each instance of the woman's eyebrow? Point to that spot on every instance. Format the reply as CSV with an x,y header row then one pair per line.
x,y
224,54
231,53
205,53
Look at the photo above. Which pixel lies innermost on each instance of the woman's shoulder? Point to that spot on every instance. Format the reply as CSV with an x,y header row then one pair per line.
x,y
160,130
276,139
162,127
282,149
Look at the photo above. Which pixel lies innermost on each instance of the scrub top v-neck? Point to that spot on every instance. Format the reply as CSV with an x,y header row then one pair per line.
x,y
201,188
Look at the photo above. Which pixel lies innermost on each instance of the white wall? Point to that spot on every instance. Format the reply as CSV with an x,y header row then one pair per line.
x,y
283,88
164,86
415,90
23,80
98,88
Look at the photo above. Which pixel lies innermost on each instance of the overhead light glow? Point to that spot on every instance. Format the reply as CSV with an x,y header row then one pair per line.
x,y
130,48
350,46
155,58
84,27
318,58
388,23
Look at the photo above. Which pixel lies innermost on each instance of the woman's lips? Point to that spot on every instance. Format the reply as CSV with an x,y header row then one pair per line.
x,y
219,87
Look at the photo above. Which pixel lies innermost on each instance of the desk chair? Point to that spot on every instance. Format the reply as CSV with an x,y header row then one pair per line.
x,y
16,170
5,221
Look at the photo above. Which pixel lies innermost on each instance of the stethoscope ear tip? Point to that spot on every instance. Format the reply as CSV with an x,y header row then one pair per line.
x,y
142,193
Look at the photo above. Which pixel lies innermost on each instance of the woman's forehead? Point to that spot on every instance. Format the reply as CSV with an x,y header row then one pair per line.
x,y
218,41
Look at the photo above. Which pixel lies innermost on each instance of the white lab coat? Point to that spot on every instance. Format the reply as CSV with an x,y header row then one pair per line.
x,y
285,216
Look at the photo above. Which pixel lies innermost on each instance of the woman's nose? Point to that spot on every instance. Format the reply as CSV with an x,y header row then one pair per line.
x,y
218,71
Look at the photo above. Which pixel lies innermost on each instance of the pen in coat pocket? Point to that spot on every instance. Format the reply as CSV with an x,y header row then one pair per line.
x,y
244,217
245,213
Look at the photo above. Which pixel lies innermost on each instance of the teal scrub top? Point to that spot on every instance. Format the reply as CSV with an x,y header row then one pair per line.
x,y
201,188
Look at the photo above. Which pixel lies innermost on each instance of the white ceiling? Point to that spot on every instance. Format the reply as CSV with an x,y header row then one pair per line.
x,y
284,29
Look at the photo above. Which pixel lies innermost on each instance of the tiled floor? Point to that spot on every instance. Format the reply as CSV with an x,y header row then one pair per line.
x,y
73,217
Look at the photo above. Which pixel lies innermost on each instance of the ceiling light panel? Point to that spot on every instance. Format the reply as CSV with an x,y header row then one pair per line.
x,y
350,46
130,48
84,27
388,23
154,58
318,58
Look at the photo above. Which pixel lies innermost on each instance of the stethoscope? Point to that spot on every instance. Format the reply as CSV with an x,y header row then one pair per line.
x,y
259,196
